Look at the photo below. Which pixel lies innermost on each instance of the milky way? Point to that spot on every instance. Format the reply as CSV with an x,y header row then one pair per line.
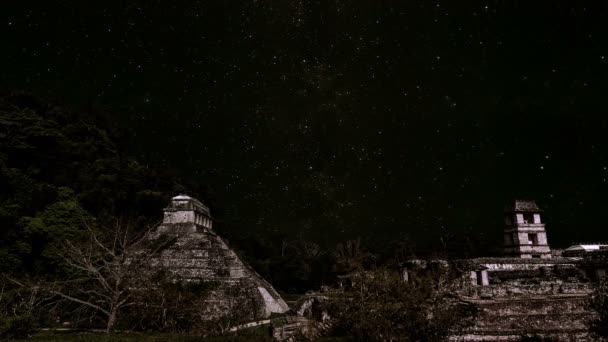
x,y
335,119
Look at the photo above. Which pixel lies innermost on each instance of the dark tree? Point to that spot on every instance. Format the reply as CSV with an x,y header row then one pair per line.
x,y
109,268
381,307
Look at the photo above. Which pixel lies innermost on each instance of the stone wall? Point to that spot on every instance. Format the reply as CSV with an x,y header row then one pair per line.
x,y
523,297
547,298
195,253
562,317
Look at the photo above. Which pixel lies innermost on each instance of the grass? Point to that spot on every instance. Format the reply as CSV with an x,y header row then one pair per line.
x,y
255,335
99,337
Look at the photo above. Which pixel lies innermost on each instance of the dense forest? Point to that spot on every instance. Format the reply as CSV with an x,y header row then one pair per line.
x,y
59,166
63,171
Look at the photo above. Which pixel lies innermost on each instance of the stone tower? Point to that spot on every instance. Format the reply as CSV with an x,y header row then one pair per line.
x,y
195,253
185,209
525,235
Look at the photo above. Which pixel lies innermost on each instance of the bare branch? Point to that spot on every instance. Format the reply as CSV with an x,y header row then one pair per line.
x,y
107,269
83,302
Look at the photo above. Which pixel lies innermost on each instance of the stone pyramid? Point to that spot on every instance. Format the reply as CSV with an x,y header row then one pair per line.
x,y
195,253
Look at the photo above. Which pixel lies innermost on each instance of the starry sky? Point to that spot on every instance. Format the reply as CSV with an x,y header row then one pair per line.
x,y
335,119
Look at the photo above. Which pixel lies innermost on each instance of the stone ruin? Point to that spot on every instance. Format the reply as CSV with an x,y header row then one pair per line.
x,y
524,233
529,291
195,253
518,297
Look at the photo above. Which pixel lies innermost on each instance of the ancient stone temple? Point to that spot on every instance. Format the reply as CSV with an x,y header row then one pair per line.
x,y
195,253
528,292
524,233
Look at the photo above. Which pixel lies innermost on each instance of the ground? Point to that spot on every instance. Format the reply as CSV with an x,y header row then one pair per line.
x,y
257,335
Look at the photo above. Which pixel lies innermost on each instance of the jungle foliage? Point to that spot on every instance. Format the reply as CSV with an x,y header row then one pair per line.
x,y
381,307
59,168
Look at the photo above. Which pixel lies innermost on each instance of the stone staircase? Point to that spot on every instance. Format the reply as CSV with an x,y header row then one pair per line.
x,y
296,328
563,317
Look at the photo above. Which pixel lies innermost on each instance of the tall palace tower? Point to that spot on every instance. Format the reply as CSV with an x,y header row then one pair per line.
x,y
525,235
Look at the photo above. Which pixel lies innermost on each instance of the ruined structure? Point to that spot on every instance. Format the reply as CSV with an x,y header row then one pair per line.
x,y
517,297
525,235
529,292
525,297
193,252
580,250
307,320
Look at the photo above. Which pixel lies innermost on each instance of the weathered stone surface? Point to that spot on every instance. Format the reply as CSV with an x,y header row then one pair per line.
x,y
548,298
193,252
524,233
298,328
525,297
532,293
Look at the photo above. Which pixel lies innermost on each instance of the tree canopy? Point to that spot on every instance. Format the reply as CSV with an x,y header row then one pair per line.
x,y
58,168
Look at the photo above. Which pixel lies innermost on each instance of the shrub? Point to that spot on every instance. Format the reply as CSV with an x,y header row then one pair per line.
x,y
380,307
20,326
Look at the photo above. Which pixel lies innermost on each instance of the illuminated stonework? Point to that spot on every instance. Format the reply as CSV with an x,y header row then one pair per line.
x,y
195,253
524,233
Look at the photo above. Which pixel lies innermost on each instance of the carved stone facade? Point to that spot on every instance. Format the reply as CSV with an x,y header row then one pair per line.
x,y
530,292
517,297
548,298
524,233
195,253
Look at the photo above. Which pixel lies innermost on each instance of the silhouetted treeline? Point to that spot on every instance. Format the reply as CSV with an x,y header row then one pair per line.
x,y
59,167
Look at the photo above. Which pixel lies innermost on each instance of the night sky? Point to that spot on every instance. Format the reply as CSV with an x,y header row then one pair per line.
x,y
333,119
